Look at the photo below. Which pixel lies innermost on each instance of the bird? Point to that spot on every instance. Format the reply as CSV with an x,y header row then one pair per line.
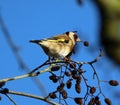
x,y
59,46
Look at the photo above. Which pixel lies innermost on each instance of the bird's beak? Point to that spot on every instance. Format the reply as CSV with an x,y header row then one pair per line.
x,y
78,40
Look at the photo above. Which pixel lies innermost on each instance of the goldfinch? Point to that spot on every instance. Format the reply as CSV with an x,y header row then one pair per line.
x,y
59,46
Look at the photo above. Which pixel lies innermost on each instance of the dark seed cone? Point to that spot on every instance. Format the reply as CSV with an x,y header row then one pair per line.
x,y
69,83
64,94
67,74
113,83
60,87
72,65
108,101
78,79
77,88
86,43
92,101
56,68
97,101
78,101
53,78
74,72
92,90
52,95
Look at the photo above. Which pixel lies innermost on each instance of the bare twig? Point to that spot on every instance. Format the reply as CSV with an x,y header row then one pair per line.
x,y
33,96
26,75
11,99
98,80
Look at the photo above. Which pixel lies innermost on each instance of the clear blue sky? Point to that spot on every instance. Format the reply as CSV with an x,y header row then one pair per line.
x,y
38,19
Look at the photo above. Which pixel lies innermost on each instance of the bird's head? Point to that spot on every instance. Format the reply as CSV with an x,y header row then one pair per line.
x,y
73,36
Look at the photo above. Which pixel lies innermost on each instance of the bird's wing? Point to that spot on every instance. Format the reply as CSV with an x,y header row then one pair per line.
x,y
58,39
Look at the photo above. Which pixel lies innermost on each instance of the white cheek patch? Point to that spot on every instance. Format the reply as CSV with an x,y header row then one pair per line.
x,y
71,35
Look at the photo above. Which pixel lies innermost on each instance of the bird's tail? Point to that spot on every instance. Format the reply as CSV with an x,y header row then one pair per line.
x,y
35,41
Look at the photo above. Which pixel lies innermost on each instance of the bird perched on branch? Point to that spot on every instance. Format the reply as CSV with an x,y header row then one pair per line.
x,y
59,46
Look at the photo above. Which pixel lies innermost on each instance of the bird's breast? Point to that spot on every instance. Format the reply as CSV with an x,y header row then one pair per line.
x,y
56,50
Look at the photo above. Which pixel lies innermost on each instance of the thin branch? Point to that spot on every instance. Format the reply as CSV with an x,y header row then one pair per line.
x,y
26,75
10,99
32,96
48,63
97,79
45,63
